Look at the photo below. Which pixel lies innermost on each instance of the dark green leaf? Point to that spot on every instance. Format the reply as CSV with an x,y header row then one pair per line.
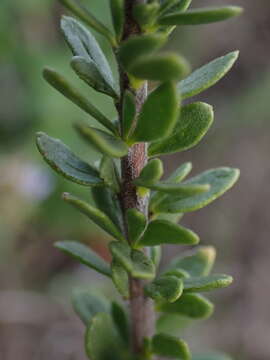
x,y
84,255
120,278
159,114
109,173
170,347
193,123
88,71
83,14
102,341
102,141
165,232
94,214
121,252
118,17
159,67
207,76
139,46
220,180
183,190
66,88
129,112
166,288
145,14
136,224
197,263
151,173
207,283
211,356
200,16
63,161
120,320
194,306
183,5
86,305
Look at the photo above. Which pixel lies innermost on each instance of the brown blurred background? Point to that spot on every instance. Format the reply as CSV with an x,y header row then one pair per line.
x,y
36,320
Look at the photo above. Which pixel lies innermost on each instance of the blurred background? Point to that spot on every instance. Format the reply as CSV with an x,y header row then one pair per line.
x,y
36,320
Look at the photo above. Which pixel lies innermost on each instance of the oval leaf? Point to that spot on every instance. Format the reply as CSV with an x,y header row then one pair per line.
x,y
120,278
159,114
207,76
109,173
220,180
120,320
200,16
136,224
151,173
118,17
183,190
166,288
66,163
165,232
207,283
94,214
170,346
84,255
193,123
102,141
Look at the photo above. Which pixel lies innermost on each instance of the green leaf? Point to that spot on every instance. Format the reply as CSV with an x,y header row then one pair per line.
x,y
109,173
197,263
120,278
120,320
183,5
158,115
84,255
151,173
167,5
94,214
165,232
88,71
102,141
118,17
207,76
193,123
102,341
172,324
193,306
145,14
166,288
83,14
183,190
159,67
66,88
200,16
129,112
220,180
180,273
66,163
170,347
207,283
211,356
139,46
136,224
134,261
155,255
87,305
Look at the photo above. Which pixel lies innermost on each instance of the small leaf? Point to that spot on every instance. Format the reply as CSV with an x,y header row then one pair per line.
x,y
151,173
197,263
129,112
94,214
172,324
136,224
155,255
183,5
183,190
118,17
180,273
207,76
64,87
88,71
107,201
167,5
102,141
159,67
102,341
66,163
84,255
139,46
121,252
194,306
158,115
166,288
145,14
83,14
87,305
207,283
120,320
193,123
109,173
211,356
165,232
120,278
200,16
170,347
220,180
